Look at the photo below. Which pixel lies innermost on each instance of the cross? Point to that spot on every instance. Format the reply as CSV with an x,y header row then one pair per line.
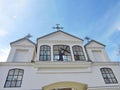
x,y
28,36
87,38
57,27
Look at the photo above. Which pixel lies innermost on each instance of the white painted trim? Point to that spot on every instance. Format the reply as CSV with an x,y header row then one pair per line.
x,y
59,64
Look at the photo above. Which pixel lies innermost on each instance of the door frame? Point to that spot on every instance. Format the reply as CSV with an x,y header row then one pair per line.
x,y
66,84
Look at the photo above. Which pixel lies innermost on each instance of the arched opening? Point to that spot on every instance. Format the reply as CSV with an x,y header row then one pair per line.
x,y
66,86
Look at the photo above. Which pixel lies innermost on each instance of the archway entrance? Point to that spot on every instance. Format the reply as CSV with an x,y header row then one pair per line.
x,y
63,89
66,86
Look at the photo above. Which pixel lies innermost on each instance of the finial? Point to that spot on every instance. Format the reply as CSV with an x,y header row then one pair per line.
x,y
58,27
87,38
28,36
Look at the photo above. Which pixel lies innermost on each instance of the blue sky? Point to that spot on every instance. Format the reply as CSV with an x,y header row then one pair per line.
x,y
97,19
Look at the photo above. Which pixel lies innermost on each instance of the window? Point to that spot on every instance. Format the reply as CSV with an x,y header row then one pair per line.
x,y
14,78
61,53
45,54
108,76
78,53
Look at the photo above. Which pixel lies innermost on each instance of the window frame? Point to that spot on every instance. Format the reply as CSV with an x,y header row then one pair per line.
x,y
56,52
13,79
43,50
80,53
108,76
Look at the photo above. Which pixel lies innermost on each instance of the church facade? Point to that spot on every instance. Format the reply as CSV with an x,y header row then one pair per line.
x,y
58,61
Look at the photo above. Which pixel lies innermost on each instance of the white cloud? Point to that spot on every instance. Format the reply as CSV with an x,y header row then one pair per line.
x,y
111,30
9,10
111,21
118,28
4,54
14,17
3,32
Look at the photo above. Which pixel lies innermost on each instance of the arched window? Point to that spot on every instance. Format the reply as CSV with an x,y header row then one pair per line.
x,y
61,53
108,76
14,78
78,53
45,53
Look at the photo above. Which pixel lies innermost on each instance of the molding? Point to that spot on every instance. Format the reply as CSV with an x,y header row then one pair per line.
x,y
51,64
62,67
109,87
16,64
60,64
106,63
76,85
94,47
23,46
59,41
63,71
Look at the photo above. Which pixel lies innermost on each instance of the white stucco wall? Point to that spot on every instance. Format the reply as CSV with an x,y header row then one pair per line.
x,y
29,54
23,45
94,46
39,74
35,79
104,55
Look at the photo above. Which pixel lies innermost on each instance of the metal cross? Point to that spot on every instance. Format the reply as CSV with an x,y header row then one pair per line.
x,y
28,36
58,27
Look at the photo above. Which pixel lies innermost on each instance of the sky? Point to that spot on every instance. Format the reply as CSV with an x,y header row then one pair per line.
x,y
97,19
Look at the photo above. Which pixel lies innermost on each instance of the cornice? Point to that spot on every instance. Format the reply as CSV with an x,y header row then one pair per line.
x,y
46,64
110,87
50,64
16,64
22,46
106,63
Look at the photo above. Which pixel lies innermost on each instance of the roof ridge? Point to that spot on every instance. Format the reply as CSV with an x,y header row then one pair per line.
x,y
22,39
94,41
59,31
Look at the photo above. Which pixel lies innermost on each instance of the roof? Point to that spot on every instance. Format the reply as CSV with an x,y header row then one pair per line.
x,y
57,32
95,42
23,39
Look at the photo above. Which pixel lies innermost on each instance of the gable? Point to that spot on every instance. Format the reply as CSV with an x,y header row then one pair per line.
x,y
94,43
23,42
60,36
